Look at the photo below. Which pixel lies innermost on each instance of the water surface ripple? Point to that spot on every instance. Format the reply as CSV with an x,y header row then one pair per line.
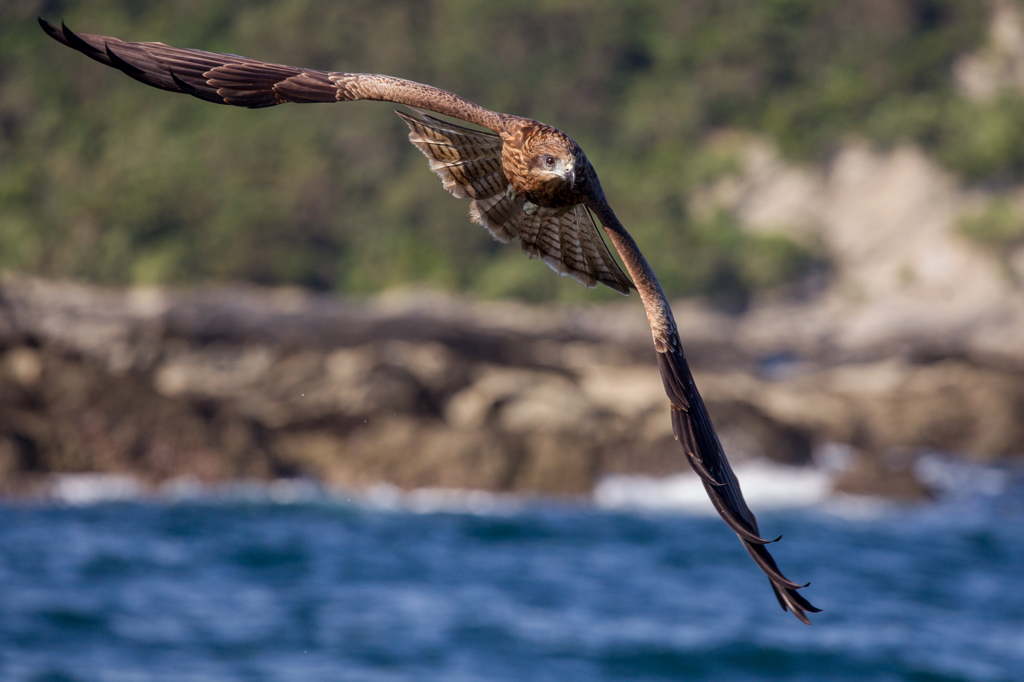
x,y
325,590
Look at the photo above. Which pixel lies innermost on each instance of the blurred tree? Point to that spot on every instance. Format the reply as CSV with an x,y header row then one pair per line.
x,y
104,179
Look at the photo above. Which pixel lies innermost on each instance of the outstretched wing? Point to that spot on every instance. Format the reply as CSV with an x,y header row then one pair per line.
x,y
243,82
690,421
693,429
469,163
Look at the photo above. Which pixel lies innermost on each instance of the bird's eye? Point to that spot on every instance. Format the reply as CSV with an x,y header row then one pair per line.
x,y
549,160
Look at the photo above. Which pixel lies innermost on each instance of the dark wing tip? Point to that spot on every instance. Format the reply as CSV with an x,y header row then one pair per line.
x,y
182,84
52,31
74,41
798,605
790,600
212,96
808,606
121,64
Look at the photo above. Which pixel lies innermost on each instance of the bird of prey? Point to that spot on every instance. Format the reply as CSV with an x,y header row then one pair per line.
x,y
523,178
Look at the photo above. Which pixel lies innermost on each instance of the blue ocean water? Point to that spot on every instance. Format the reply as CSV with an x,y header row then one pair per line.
x,y
239,587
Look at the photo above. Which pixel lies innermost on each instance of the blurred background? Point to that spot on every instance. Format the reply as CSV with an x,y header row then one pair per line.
x,y
272,407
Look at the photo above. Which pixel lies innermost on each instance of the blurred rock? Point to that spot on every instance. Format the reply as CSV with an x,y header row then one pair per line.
x,y
402,451
23,366
215,384
870,474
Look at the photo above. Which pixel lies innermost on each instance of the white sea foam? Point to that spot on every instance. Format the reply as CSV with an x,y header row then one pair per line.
x,y
91,488
858,507
766,485
94,488
954,477
279,491
435,500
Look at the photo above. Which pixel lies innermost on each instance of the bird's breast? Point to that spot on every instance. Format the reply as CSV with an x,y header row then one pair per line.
x,y
547,197
542,192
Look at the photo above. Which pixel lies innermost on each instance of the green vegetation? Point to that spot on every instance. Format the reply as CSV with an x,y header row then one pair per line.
x,y
104,179
999,226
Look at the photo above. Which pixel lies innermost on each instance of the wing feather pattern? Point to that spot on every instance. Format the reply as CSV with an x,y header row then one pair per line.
x,y
469,164
569,242
243,82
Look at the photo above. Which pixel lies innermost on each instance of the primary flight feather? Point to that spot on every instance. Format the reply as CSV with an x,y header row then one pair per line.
x,y
524,179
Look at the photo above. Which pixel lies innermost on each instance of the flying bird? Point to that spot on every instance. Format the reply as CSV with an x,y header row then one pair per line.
x,y
524,180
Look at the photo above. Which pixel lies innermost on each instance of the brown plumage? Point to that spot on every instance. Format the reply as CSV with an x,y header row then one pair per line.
x,y
524,179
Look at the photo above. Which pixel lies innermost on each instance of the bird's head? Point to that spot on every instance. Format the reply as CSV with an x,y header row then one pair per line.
x,y
552,160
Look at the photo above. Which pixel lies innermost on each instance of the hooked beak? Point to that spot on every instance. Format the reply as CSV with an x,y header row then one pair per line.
x,y
570,175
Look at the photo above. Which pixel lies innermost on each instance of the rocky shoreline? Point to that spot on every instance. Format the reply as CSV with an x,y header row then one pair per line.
x,y
424,390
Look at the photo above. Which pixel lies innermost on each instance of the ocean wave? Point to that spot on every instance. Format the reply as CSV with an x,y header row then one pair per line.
x,y
766,485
